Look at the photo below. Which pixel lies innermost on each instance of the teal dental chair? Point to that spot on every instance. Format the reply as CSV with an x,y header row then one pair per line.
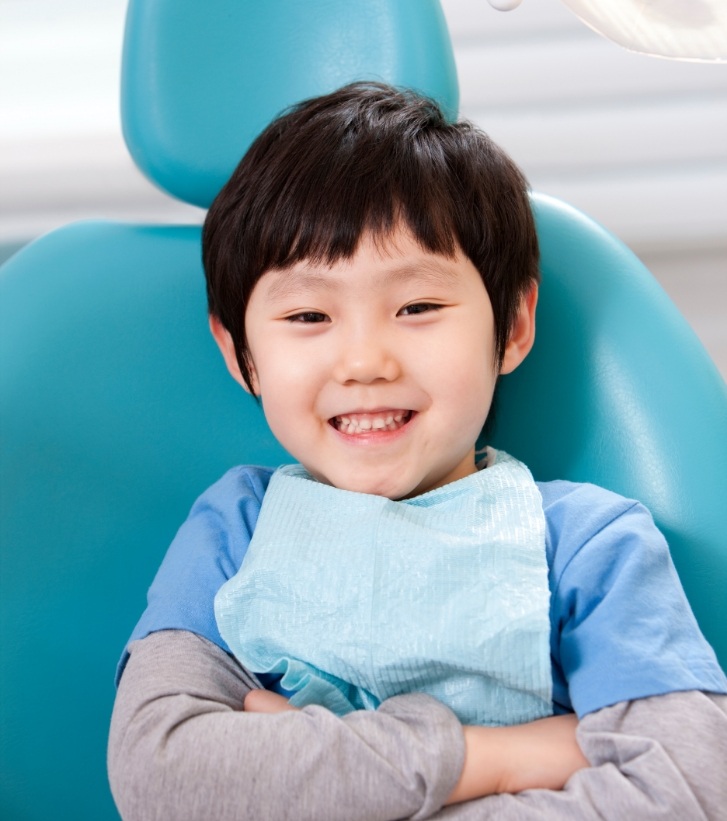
x,y
117,410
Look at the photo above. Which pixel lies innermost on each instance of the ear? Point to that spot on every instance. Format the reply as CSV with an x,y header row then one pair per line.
x,y
227,349
522,333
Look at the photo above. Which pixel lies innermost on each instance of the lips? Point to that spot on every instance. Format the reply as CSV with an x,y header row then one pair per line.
x,y
355,424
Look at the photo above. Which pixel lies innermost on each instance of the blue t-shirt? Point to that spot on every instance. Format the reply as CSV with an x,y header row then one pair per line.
x,y
621,627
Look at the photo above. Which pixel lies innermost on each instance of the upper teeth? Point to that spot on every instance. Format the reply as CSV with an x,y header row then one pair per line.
x,y
359,423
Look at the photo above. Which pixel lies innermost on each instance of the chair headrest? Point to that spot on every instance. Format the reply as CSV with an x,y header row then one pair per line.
x,y
202,78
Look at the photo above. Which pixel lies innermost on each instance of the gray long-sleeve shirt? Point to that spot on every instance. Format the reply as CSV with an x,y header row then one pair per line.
x,y
181,748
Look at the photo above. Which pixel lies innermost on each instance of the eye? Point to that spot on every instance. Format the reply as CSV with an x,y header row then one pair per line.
x,y
417,308
307,317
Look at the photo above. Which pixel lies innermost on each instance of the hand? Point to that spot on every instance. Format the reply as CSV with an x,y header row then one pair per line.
x,y
263,701
542,754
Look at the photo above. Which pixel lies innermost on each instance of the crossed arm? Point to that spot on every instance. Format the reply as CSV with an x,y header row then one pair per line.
x,y
181,747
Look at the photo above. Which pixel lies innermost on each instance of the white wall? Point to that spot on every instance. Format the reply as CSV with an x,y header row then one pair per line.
x,y
62,156
638,143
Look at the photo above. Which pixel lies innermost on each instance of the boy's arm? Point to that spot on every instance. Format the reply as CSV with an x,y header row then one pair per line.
x,y
196,756
541,754
180,747
655,759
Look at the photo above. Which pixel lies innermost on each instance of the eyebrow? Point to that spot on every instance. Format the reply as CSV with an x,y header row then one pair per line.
x,y
288,282
426,271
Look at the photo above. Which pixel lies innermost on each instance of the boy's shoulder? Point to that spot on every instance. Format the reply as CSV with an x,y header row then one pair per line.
x,y
581,494
237,483
587,506
592,522
246,477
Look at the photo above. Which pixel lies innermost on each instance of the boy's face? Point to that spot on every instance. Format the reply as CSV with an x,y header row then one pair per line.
x,y
377,373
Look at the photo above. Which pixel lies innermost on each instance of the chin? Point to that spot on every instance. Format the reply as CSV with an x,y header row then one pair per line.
x,y
375,487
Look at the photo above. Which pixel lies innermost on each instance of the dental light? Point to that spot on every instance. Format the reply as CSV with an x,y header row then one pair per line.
x,y
678,29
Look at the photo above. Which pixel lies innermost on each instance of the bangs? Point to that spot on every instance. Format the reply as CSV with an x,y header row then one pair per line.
x,y
324,220
356,177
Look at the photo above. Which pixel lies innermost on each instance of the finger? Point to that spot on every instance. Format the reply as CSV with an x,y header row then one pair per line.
x,y
263,701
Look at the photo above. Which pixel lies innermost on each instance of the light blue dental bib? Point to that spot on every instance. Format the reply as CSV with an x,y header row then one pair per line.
x,y
354,598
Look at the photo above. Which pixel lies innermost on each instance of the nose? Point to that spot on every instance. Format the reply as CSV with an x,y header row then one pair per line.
x,y
365,357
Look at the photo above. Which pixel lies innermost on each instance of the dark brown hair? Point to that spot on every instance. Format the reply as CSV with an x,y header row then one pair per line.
x,y
364,159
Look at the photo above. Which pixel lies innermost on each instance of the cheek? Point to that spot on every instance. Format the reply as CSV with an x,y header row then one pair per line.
x,y
466,364
287,423
288,392
471,407
281,371
466,386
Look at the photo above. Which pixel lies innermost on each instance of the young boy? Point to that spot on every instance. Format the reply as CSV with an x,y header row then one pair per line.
x,y
371,271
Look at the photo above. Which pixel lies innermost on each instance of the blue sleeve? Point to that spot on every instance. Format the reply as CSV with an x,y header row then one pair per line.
x,y
207,550
622,628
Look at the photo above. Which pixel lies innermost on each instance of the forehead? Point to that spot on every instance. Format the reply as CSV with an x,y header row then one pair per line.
x,y
391,260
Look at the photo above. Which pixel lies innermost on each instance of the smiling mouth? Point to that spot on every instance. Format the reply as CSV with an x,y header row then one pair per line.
x,y
355,424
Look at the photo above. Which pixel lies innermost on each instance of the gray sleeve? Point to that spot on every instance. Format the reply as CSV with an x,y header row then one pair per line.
x,y
662,758
181,747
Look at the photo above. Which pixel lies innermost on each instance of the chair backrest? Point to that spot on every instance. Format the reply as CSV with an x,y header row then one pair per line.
x,y
117,410
202,79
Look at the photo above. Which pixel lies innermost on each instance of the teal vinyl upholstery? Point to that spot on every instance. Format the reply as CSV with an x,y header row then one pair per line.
x,y
213,74
117,410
